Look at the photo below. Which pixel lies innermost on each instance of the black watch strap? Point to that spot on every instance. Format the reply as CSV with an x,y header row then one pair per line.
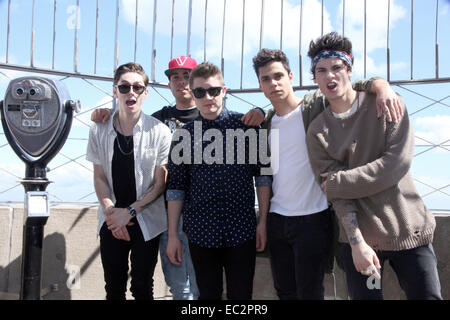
x,y
132,211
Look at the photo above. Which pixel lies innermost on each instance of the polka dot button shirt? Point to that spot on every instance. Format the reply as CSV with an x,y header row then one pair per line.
x,y
219,198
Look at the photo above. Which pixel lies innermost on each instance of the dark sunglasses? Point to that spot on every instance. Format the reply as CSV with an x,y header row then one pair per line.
x,y
125,88
201,92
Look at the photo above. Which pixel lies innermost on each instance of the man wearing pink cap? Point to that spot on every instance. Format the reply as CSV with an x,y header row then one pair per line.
x,y
180,278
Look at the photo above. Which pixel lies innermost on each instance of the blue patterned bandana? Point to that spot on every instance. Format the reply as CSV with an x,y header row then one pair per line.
x,y
332,54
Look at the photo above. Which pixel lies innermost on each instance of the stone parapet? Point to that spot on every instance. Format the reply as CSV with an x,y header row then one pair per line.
x,y
72,268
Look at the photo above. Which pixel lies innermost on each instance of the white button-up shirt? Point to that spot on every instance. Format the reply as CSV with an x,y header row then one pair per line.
x,y
151,140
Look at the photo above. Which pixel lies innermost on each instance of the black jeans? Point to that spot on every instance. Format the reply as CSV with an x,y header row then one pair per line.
x,y
416,270
299,249
114,254
239,265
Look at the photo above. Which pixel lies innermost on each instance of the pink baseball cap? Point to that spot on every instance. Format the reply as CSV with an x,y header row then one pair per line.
x,y
181,62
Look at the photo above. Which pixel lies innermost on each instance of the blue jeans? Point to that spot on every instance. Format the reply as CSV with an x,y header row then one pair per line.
x,y
180,279
299,248
416,270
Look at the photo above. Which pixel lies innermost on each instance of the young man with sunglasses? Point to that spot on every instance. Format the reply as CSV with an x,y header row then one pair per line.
x,y
132,211
299,224
216,198
364,168
180,278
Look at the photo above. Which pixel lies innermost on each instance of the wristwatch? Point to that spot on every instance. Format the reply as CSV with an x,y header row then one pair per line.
x,y
132,211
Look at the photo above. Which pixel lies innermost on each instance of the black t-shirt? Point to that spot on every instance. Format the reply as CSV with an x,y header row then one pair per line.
x,y
175,118
124,181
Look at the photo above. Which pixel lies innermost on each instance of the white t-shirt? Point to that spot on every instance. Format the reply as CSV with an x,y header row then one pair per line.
x,y
355,106
295,191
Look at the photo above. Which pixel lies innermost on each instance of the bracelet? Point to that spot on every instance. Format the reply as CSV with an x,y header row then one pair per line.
x,y
132,212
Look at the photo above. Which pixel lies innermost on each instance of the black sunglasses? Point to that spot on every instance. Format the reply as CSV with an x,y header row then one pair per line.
x,y
125,88
201,92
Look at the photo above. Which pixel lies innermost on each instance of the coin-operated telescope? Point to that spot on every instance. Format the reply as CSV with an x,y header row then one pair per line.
x,y
37,115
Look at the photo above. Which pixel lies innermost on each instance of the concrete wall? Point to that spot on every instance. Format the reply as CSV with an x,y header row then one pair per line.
x,y
71,252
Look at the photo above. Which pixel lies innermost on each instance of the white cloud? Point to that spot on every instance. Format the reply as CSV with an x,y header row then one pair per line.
x,y
376,31
426,184
399,65
271,29
233,24
12,170
85,117
70,174
376,67
71,182
434,181
372,67
377,14
433,129
6,75
445,9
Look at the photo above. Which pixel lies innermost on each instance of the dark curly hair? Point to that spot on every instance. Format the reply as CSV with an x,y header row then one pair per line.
x,y
266,56
330,41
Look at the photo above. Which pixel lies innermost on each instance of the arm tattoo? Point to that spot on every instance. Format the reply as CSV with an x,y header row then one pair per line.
x,y
351,227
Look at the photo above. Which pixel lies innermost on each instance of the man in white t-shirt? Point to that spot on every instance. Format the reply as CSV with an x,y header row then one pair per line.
x,y
299,225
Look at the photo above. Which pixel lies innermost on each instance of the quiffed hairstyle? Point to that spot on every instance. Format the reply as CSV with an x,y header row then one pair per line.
x,y
266,56
130,67
330,41
205,70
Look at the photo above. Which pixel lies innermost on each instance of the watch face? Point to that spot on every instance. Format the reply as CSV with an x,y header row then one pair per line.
x,y
132,211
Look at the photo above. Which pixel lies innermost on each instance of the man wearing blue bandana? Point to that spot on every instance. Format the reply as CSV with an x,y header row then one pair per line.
x,y
299,223
364,168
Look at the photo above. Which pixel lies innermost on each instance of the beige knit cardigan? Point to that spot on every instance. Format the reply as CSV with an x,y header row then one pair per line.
x,y
369,163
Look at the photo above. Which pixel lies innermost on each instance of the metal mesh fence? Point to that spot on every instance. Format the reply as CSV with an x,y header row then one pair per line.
x,y
81,42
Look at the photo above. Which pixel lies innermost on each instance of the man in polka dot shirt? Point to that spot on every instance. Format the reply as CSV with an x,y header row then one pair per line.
x,y
211,183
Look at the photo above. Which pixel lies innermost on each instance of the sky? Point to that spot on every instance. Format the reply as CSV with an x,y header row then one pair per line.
x,y
72,180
